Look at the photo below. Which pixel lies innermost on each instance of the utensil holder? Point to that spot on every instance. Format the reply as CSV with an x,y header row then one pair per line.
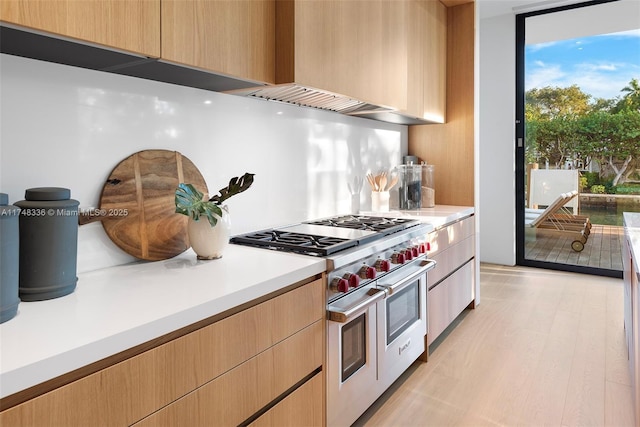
x,y
380,201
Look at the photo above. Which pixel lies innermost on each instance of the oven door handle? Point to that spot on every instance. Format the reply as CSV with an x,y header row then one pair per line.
x,y
425,265
343,315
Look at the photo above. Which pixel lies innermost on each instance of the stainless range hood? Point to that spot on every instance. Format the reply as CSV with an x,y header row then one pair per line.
x,y
305,96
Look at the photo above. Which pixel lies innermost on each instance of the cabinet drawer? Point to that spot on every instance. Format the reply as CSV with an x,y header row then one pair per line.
x,y
445,237
303,407
238,394
449,259
130,390
447,300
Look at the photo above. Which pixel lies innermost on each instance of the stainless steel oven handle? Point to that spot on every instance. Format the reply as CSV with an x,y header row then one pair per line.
x,y
425,265
344,315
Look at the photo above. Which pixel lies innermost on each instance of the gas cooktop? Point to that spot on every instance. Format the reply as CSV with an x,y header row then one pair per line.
x,y
325,236
371,223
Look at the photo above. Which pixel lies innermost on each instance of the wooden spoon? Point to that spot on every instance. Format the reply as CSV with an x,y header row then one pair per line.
x,y
372,182
383,181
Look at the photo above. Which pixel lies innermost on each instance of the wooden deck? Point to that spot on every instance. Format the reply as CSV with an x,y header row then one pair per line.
x,y
603,248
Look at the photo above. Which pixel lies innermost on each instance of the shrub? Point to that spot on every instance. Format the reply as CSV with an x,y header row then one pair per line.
x,y
632,189
592,178
597,189
583,182
609,188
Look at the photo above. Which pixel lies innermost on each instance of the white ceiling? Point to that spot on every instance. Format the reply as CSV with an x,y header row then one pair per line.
x,y
581,22
491,8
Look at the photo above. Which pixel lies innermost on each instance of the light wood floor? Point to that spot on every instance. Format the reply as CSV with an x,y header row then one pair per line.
x,y
544,348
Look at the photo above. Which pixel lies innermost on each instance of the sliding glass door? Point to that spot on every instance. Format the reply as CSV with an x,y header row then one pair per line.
x,y
577,135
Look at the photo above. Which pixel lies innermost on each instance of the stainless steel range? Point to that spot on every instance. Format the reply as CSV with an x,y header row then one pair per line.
x,y
376,300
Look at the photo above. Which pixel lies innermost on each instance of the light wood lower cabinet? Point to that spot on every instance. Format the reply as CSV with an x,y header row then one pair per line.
x,y
233,397
448,299
241,363
452,282
295,410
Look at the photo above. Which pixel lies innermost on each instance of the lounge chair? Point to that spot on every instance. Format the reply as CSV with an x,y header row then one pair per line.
x,y
559,218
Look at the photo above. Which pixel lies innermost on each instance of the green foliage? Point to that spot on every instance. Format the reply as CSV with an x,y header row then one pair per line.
x,y
553,102
562,123
189,201
631,99
583,182
631,189
609,188
597,189
592,178
236,185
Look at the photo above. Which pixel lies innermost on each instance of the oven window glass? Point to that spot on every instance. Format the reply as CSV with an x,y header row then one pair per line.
x,y
403,309
354,346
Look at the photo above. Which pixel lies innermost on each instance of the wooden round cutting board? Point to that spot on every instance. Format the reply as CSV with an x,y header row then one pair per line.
x,y
138,200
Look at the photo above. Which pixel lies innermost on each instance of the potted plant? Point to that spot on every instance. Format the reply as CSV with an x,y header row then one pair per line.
x,y
209,237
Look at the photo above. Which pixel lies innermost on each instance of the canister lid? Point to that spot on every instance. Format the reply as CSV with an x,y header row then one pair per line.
x,y
410,160
47,193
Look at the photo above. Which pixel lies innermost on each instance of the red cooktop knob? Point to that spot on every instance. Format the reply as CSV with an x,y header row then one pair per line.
x,y
428,246
352,279
367,272
397,258
339,285
383,265
415,252
422,248
408,255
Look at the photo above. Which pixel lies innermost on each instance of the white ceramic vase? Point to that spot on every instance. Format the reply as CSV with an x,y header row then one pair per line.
x,y
210,242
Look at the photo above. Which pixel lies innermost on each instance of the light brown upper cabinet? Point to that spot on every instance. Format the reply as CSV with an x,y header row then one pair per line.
x,y
385,52
427,60
132,25
233,37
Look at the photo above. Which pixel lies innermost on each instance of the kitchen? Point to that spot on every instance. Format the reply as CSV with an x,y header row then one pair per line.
x,y
88,121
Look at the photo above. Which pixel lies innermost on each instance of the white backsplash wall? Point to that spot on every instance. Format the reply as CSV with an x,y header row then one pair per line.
x,y
69,127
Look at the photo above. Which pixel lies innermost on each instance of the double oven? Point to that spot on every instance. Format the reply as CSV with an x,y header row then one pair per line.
x,y
376,301
373,335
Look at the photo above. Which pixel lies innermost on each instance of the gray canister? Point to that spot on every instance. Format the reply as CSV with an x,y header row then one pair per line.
x,y
9,236
48,243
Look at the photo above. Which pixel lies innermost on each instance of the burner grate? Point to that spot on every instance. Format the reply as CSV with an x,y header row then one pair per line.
x,y
370,223
307,244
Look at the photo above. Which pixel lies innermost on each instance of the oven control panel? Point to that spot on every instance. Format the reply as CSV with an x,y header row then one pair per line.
x,y
359,273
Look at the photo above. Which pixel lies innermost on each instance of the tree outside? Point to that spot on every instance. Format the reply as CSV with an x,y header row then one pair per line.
x,y
566,128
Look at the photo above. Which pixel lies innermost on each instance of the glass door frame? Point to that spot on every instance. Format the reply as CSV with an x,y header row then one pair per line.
x,y
520,147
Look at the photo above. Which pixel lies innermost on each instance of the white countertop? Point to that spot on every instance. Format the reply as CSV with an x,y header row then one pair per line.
x,y
117,308
438,216
632,230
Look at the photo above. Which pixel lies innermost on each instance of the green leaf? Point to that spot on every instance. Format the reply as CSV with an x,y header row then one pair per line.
x,y
236,185
190,202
